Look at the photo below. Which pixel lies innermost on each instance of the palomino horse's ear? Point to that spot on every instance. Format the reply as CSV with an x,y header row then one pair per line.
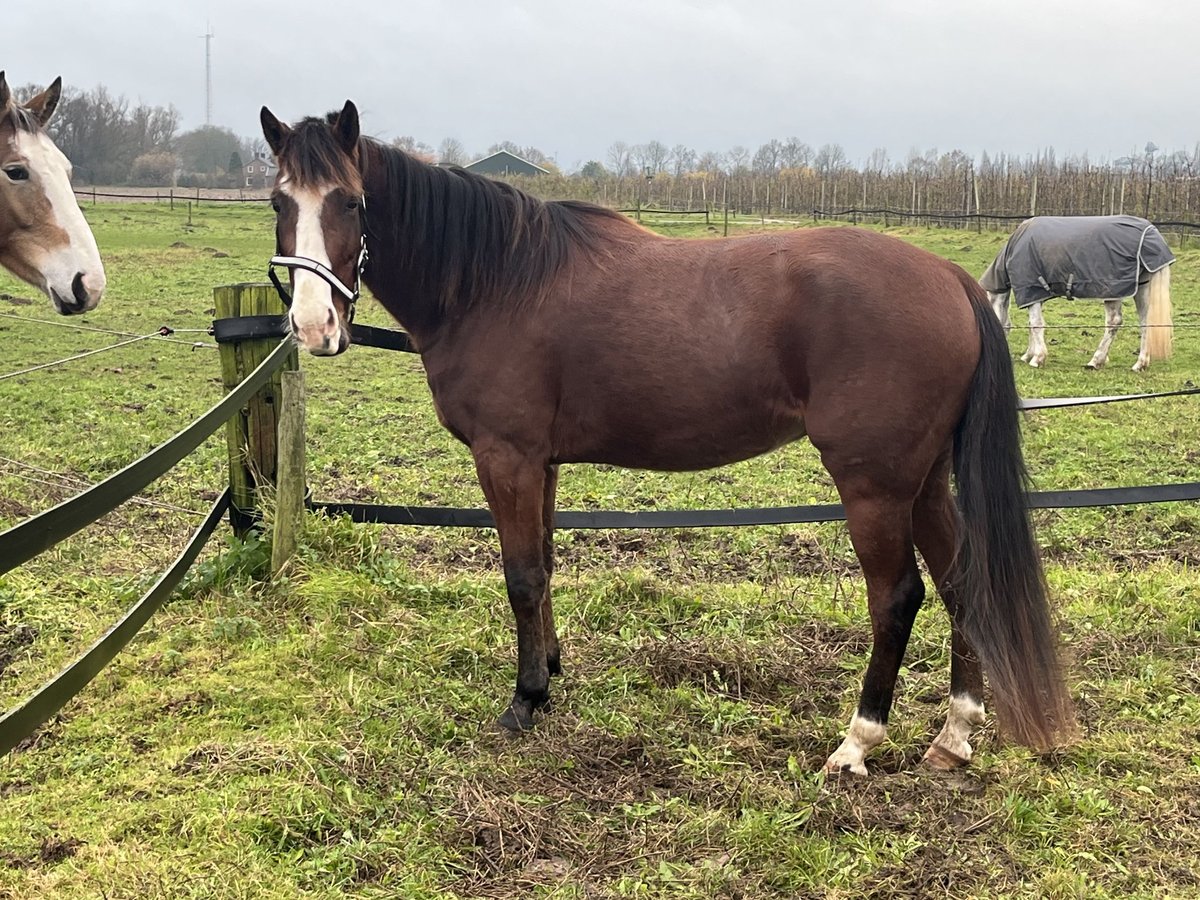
x,y
273,130
5,93
346,128
43,105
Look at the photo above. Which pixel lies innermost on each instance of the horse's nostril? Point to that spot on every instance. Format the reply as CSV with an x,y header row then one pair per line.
x,y
331,320
77,288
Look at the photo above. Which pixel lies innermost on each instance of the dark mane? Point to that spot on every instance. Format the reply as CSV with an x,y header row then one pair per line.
x,y
461,238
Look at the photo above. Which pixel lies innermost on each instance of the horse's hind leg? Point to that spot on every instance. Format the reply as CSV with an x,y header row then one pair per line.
x,y
549,635
1142,302
515,489
881,531
935,529
1112,321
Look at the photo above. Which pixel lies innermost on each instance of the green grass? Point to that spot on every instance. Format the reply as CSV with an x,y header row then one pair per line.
x,y
327,735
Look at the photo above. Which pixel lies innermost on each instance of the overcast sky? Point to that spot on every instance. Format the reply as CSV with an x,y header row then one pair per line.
x,y
570,78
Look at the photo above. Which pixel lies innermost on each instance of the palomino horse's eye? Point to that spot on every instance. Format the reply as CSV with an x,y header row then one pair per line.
x,y
17,173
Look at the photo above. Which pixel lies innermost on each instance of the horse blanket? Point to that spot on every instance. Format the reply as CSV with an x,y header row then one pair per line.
x,y
1100,257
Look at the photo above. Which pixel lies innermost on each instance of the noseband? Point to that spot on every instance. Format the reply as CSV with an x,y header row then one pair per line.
x,y
311,265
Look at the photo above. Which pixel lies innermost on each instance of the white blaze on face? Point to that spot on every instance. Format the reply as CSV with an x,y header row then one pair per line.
x,y
73,273
314,318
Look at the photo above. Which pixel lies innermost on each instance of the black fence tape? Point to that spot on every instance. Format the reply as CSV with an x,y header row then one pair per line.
x,y
249,328
24,720
31,537
443,516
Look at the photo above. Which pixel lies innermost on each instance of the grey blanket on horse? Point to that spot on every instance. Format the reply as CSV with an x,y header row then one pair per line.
x,y
1101,257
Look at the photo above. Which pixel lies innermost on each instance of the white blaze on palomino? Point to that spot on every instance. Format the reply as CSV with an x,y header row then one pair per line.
x,y
862,737
79,257
314,318
952,746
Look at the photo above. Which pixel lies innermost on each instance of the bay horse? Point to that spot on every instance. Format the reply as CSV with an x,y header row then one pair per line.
x,y
562,332
44,238
1087,257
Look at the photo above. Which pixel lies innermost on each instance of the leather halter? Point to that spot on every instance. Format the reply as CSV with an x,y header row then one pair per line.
x,y
311,265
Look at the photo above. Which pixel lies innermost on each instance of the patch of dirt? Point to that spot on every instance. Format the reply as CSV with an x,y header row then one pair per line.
x,y
805,670
12,640
189,705
53,850
518,830
17,301
244,759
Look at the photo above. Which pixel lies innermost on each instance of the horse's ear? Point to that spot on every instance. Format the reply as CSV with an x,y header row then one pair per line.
x,y
346,128
43,105
273,130
5,93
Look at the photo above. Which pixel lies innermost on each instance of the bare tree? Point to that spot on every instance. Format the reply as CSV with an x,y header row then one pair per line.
x,y
682,160
452,152
413,147
830,159
767,159
795,154
620,160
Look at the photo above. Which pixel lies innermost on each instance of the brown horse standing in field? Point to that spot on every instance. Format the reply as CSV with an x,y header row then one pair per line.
x,y
44,238
560,332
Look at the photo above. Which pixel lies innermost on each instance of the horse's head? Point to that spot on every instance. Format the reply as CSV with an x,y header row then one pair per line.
x,y
44,238
319,224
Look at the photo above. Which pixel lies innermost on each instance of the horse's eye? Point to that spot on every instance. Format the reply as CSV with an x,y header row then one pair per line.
x,y
352,205
275,205
17,173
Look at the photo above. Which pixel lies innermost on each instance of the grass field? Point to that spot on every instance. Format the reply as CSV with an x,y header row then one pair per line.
x,y
327,734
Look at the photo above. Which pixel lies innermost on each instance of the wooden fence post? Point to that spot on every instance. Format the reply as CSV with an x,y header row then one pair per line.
x,y
250,434
290,488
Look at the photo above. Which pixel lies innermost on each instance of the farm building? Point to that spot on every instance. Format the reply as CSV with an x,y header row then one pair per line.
x,y
260,172
504,163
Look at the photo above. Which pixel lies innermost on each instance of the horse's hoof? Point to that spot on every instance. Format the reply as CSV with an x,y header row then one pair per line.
x,y
835,768
1091,366
518,718
554,664
940,758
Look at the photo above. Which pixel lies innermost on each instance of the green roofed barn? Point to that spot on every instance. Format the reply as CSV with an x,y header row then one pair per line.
x,y
504,163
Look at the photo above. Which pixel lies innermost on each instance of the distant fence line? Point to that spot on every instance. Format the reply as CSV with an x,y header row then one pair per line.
x,y
885,216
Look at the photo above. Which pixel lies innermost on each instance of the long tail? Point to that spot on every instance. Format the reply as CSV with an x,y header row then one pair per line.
x,y
998,572
1160,339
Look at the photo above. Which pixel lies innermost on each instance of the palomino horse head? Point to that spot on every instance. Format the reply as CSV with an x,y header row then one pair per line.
x,y
319,224
43,236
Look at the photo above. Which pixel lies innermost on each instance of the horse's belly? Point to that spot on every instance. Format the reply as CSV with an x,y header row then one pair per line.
x,y
681,439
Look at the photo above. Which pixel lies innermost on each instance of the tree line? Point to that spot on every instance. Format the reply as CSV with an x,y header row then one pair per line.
x,y
111,141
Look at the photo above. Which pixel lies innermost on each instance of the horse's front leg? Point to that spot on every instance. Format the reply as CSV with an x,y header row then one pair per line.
x,y
1112,321
549,634
515,487
1036,354
1000,308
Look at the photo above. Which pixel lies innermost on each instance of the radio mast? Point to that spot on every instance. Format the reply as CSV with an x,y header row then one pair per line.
x,y
208,36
